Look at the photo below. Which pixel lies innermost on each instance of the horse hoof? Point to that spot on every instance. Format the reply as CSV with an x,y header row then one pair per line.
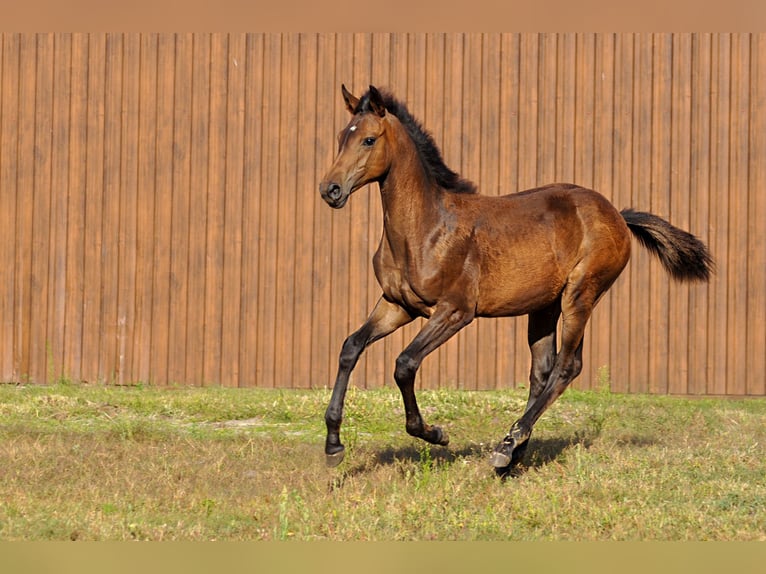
x,y
443,439
334,459
500,460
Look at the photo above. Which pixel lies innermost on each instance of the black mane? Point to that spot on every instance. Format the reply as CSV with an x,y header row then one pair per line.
x,y
427,150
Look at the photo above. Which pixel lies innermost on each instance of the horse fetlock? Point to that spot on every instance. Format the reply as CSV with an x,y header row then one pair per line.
x,y
518,435
511,449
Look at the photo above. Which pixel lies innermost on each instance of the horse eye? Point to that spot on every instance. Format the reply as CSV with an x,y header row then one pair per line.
x,y
368,142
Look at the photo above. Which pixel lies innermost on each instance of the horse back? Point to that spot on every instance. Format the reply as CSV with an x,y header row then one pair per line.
x,y
528,244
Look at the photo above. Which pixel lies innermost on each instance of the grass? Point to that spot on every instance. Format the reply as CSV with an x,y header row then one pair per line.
x,y
84,462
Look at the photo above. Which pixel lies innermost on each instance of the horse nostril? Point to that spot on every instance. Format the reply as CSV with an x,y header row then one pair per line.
x,y
333,191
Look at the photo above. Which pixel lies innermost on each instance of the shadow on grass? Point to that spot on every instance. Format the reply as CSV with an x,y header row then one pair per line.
x,y
540,452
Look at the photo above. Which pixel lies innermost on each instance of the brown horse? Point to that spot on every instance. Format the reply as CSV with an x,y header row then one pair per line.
x,y
450,255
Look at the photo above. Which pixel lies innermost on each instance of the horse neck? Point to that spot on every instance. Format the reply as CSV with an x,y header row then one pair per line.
x,y
410,198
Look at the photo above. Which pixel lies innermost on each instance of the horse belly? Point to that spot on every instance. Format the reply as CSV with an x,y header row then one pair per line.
x,y
519,287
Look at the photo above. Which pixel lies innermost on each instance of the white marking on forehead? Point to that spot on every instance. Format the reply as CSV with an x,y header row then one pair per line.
x,y
352,129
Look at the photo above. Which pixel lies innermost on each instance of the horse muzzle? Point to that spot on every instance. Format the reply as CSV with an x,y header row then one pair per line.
x,y
334,194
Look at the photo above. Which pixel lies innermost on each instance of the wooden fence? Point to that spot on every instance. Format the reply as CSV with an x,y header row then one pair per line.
x,y
161,223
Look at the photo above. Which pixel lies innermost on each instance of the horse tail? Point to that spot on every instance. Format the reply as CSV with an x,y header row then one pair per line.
x,y
682,255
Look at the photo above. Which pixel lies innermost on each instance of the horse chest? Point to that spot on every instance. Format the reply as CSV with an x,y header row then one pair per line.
x,y
401,284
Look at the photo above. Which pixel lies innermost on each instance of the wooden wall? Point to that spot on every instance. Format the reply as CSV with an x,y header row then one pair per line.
x,y
161,223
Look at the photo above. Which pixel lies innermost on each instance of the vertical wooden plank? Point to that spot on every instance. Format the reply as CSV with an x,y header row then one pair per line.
x,y
603,171
546,121
128,209
75,241
232,239
640,188
216,198
323,349
564,61
179,212
622,165
94,199
756,223
196,328
285,214
680,195
24,203
59,174
254,71
306,203
267,238
659,204
145,199
163,185
529,106
699,220
719,209
9,123
40,139
110,214
737,228
582,115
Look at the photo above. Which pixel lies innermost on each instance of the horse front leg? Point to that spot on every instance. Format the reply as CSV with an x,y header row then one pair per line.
x,y
385,318
443,324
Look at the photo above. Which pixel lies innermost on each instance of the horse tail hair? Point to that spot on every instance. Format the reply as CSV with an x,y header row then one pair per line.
x,y
682,255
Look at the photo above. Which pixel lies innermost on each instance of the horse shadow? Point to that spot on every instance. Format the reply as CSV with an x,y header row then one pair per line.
x,y
540,452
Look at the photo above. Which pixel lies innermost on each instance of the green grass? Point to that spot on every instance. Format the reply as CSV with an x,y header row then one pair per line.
x,y
124,463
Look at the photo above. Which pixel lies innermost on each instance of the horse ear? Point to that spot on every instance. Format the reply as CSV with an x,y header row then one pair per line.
x,y
350,99
376,102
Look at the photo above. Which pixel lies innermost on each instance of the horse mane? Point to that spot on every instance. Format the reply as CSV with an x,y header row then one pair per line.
x,y
428,151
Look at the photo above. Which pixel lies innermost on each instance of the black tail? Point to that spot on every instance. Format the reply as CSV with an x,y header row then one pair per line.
x,y
682,255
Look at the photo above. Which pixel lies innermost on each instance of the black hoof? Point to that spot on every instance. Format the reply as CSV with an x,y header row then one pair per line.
x,y
443,439
436,435
507,455
333,459
500,460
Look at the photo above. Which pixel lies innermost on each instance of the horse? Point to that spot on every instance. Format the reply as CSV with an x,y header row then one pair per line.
x,y
450,255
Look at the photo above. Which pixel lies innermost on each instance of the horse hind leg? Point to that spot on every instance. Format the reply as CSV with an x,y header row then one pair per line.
x,y
577,302
541,336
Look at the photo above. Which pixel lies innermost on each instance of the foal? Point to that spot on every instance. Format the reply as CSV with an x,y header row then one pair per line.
x,y
450,255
